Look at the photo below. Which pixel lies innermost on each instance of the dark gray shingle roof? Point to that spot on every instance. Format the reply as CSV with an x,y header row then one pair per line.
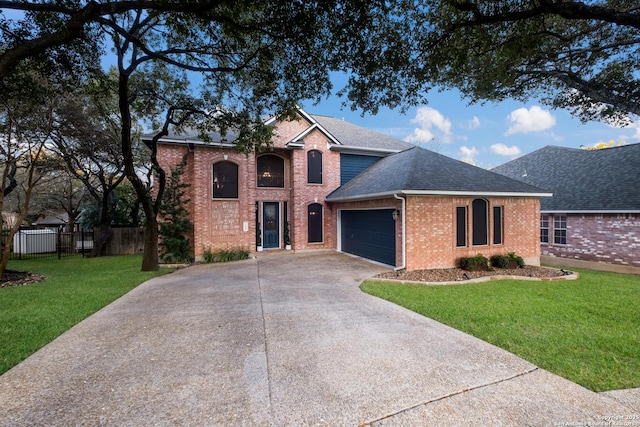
x,y
420,170
192,136
347,135
582,180
355,136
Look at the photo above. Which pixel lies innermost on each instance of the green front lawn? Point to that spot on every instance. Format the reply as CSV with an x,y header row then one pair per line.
x,y
33,315
587,330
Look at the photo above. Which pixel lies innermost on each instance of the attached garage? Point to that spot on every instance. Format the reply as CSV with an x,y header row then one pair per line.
x,y
370,234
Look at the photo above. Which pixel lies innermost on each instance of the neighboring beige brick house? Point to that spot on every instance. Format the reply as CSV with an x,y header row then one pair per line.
x,y
327,184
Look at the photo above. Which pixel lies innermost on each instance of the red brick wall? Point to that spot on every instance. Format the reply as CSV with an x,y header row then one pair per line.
x,y
230,224
304,194
431,232
611,238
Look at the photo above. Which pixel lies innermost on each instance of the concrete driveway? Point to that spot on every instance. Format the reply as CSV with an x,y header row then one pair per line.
x,y
284,340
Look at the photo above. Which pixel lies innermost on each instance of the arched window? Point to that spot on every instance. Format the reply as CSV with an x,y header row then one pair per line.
x,y
314,167
480,222
270,171
225,180
314,223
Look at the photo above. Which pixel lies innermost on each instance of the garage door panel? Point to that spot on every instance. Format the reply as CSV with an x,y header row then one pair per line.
x,y
370,234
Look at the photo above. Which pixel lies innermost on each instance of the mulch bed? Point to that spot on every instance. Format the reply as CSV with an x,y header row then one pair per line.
x,y
19,278
457,274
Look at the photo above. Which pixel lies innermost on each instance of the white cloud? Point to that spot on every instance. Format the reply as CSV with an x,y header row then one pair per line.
x,y
503,150
534,119
420,135
430,120
636,127
468,155
474,123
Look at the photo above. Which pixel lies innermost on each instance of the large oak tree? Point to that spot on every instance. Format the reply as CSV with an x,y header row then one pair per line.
x,y
581,56
259,57
255,57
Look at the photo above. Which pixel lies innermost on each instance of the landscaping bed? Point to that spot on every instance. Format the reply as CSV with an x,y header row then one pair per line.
x,y
16,278
458,274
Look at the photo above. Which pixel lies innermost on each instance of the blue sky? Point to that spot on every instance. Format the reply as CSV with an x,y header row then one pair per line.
x,y
484,135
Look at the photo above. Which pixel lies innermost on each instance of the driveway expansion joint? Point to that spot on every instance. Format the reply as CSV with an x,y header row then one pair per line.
x,y
264,337
446,396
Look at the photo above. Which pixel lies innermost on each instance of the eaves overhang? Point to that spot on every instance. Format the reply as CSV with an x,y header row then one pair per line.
x,y
387,194
315,126
351,149
191,142
591,211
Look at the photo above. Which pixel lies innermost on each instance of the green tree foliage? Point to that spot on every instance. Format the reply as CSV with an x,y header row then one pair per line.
x,y
257,58
175,224
580,56
124,209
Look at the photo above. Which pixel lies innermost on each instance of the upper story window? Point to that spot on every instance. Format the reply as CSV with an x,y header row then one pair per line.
x,y
544,228
560,229
479,222
314,167
270,171
225,180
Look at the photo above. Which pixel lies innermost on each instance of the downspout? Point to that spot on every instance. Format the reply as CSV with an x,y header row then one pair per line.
x,y
404,233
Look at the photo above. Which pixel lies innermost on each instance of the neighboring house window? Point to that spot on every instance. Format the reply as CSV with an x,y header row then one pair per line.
x,y
270,171
544,229
225,180
560,229
480,222
314,167
497,225
314,223
461,226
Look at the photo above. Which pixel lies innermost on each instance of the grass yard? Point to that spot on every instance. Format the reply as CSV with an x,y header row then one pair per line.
x,y
33,315
587,330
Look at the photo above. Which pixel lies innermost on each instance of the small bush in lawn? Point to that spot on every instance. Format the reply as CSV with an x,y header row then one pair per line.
x,y
475,263
511,260
225,255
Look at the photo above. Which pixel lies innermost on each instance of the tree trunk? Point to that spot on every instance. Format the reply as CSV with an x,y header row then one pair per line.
x,y
104,234
150,257
104,227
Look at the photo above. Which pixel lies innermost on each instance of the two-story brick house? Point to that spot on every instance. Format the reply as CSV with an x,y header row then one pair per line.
x,y
328,184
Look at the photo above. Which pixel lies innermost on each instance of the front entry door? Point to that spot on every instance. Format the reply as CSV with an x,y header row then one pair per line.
x,y
270,224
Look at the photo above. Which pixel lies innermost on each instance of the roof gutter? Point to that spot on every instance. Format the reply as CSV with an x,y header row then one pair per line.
x,y
404,233
186,141
387,194
591,211
362,150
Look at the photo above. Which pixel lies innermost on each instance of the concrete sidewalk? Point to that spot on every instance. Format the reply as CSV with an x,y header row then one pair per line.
x,y
284,340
